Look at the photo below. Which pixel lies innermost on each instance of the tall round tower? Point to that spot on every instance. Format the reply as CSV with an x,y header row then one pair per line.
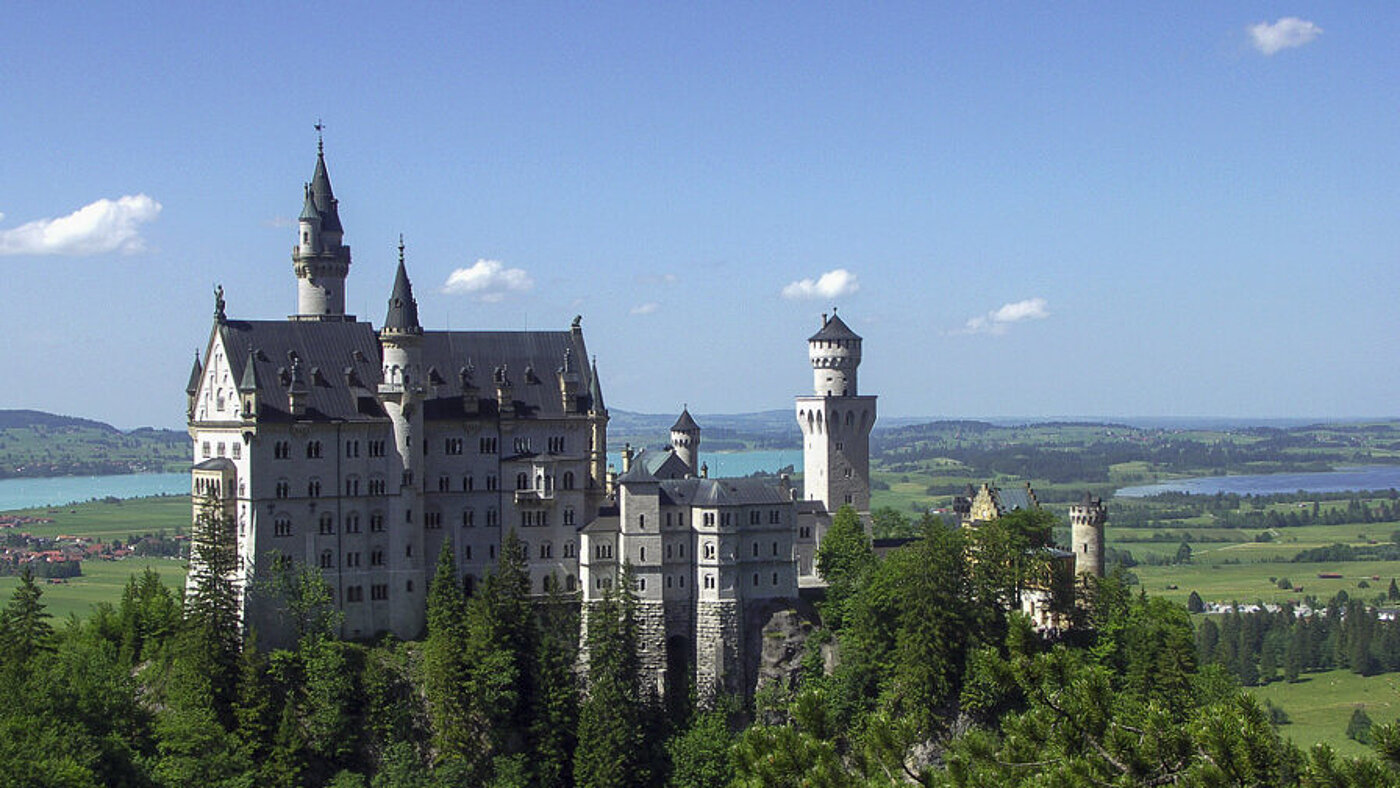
x,y
320,260
836,421
685,441
1087,519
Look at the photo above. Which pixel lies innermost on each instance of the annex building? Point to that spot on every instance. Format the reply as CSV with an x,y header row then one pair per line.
x,y
360,451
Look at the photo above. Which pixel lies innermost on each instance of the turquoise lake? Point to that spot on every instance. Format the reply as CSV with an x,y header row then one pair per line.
x,y
1363,477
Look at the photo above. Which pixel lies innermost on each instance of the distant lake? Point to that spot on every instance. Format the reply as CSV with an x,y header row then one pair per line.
x,y
58,490
1362,477
728,464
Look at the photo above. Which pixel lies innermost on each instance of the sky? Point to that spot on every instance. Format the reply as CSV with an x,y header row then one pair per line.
x,y
1029,210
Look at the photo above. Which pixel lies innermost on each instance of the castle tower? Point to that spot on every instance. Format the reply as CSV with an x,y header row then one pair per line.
x,y
1086,522
320,260
836,421
685,441
401,393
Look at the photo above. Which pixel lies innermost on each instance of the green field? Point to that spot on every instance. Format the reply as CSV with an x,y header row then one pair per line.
x,y
102,581
1321,704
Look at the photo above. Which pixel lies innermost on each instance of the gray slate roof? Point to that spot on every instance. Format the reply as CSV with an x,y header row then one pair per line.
x,y
755,491
685,423
324,198
834,328
449,352
402,317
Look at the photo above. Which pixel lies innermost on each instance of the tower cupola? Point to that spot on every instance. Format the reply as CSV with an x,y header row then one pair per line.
x,y
835,355
685,441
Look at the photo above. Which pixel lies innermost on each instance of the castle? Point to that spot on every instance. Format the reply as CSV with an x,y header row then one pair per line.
x,y
360,451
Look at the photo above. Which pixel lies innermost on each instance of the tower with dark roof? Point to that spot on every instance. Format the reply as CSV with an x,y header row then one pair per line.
x,y
320,259
685,441
836,421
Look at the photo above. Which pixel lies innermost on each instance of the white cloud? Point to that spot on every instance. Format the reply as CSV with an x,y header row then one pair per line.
x,y
1000,319
280,222
1286,33
96,228
488,280
645,309
831,284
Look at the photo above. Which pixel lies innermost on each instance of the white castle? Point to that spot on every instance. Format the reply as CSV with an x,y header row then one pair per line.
x,y
360,451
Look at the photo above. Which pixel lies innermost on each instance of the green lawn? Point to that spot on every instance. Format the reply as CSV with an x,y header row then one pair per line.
x,y
1250,582
1321,705
102,581
106,520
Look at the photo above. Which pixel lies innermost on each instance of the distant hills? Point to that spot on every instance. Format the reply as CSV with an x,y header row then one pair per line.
x,y
36,444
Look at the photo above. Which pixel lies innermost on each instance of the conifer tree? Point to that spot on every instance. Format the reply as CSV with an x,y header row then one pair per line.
x,y
500,651
613,748
24,626
844,558
445,668
554,711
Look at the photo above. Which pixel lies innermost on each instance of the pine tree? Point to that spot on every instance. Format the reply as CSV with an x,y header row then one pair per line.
x,y
445,667
554,711
500,652
843,559
1359,726
25,631
208,644
612,743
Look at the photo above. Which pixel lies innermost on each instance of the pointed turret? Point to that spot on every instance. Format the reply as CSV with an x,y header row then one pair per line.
x,y
685,441
403,309
297,390
595,390
248,386
192,388
320,259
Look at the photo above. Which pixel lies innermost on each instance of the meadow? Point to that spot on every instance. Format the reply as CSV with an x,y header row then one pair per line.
x,y
1320,706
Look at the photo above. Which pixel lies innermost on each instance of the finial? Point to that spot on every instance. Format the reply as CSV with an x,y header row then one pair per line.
x,y
320,140
400,248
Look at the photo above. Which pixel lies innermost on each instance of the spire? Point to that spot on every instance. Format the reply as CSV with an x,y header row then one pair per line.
x,y
403,309
321,194
249,381
196,373
308,208
595,389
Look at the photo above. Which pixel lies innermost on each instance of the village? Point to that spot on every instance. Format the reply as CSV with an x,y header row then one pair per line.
x,y
57,558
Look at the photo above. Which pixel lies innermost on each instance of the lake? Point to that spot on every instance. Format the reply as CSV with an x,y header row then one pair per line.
x,y
1362,477
56,490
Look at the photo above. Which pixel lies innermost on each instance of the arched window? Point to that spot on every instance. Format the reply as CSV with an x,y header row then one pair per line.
x,y
568,480
522,481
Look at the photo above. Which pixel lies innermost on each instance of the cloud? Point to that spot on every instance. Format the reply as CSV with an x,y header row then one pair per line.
x,y
1000,319
645,309
96,228
1286,33
488,280
831,284
280,222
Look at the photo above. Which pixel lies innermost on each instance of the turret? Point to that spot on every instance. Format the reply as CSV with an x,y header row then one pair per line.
x,y
685,441
470,394
297,390
248,388
319,258
569,379
1087,520
598,432
192,388
835,355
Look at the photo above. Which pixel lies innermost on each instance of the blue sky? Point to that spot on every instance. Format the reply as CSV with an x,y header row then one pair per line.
x,y
1038,210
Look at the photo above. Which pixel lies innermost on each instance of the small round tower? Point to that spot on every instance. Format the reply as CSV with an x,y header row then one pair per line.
x,y
685,441
1087,519
835,355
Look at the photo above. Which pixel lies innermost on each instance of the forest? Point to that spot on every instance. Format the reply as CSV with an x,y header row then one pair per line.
x,y
935,683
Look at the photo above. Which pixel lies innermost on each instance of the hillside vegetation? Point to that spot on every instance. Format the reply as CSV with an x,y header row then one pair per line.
x,y
36,444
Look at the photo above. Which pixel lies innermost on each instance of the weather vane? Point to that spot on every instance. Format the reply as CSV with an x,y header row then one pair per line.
x,y
320,141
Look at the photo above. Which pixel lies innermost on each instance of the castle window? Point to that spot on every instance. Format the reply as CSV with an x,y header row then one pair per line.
x,y
352,448
379,592
468,552
522,445
452,446
468,518
408,515
313,450
281,450
376,448
755,517
432,519
376,486
352,523
355,594
669,581
444,484
282,526
570,582
313,488
284,489
569,550
641,554
487,446
680,518
709,581
546,550
376,558
641,584
840,446
327,523
469,585
409,587
680,551
223,448
490,481
569,515
846,473
775,516
352,559
204,449
376,522
775,548
849,498
755,578
668,551
805,532
680,580
522,481
755,549
352,486
568,480
493,517
775,578
709,549
467,484
237,450
408,551
491,552
327,559
709,518
641,521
